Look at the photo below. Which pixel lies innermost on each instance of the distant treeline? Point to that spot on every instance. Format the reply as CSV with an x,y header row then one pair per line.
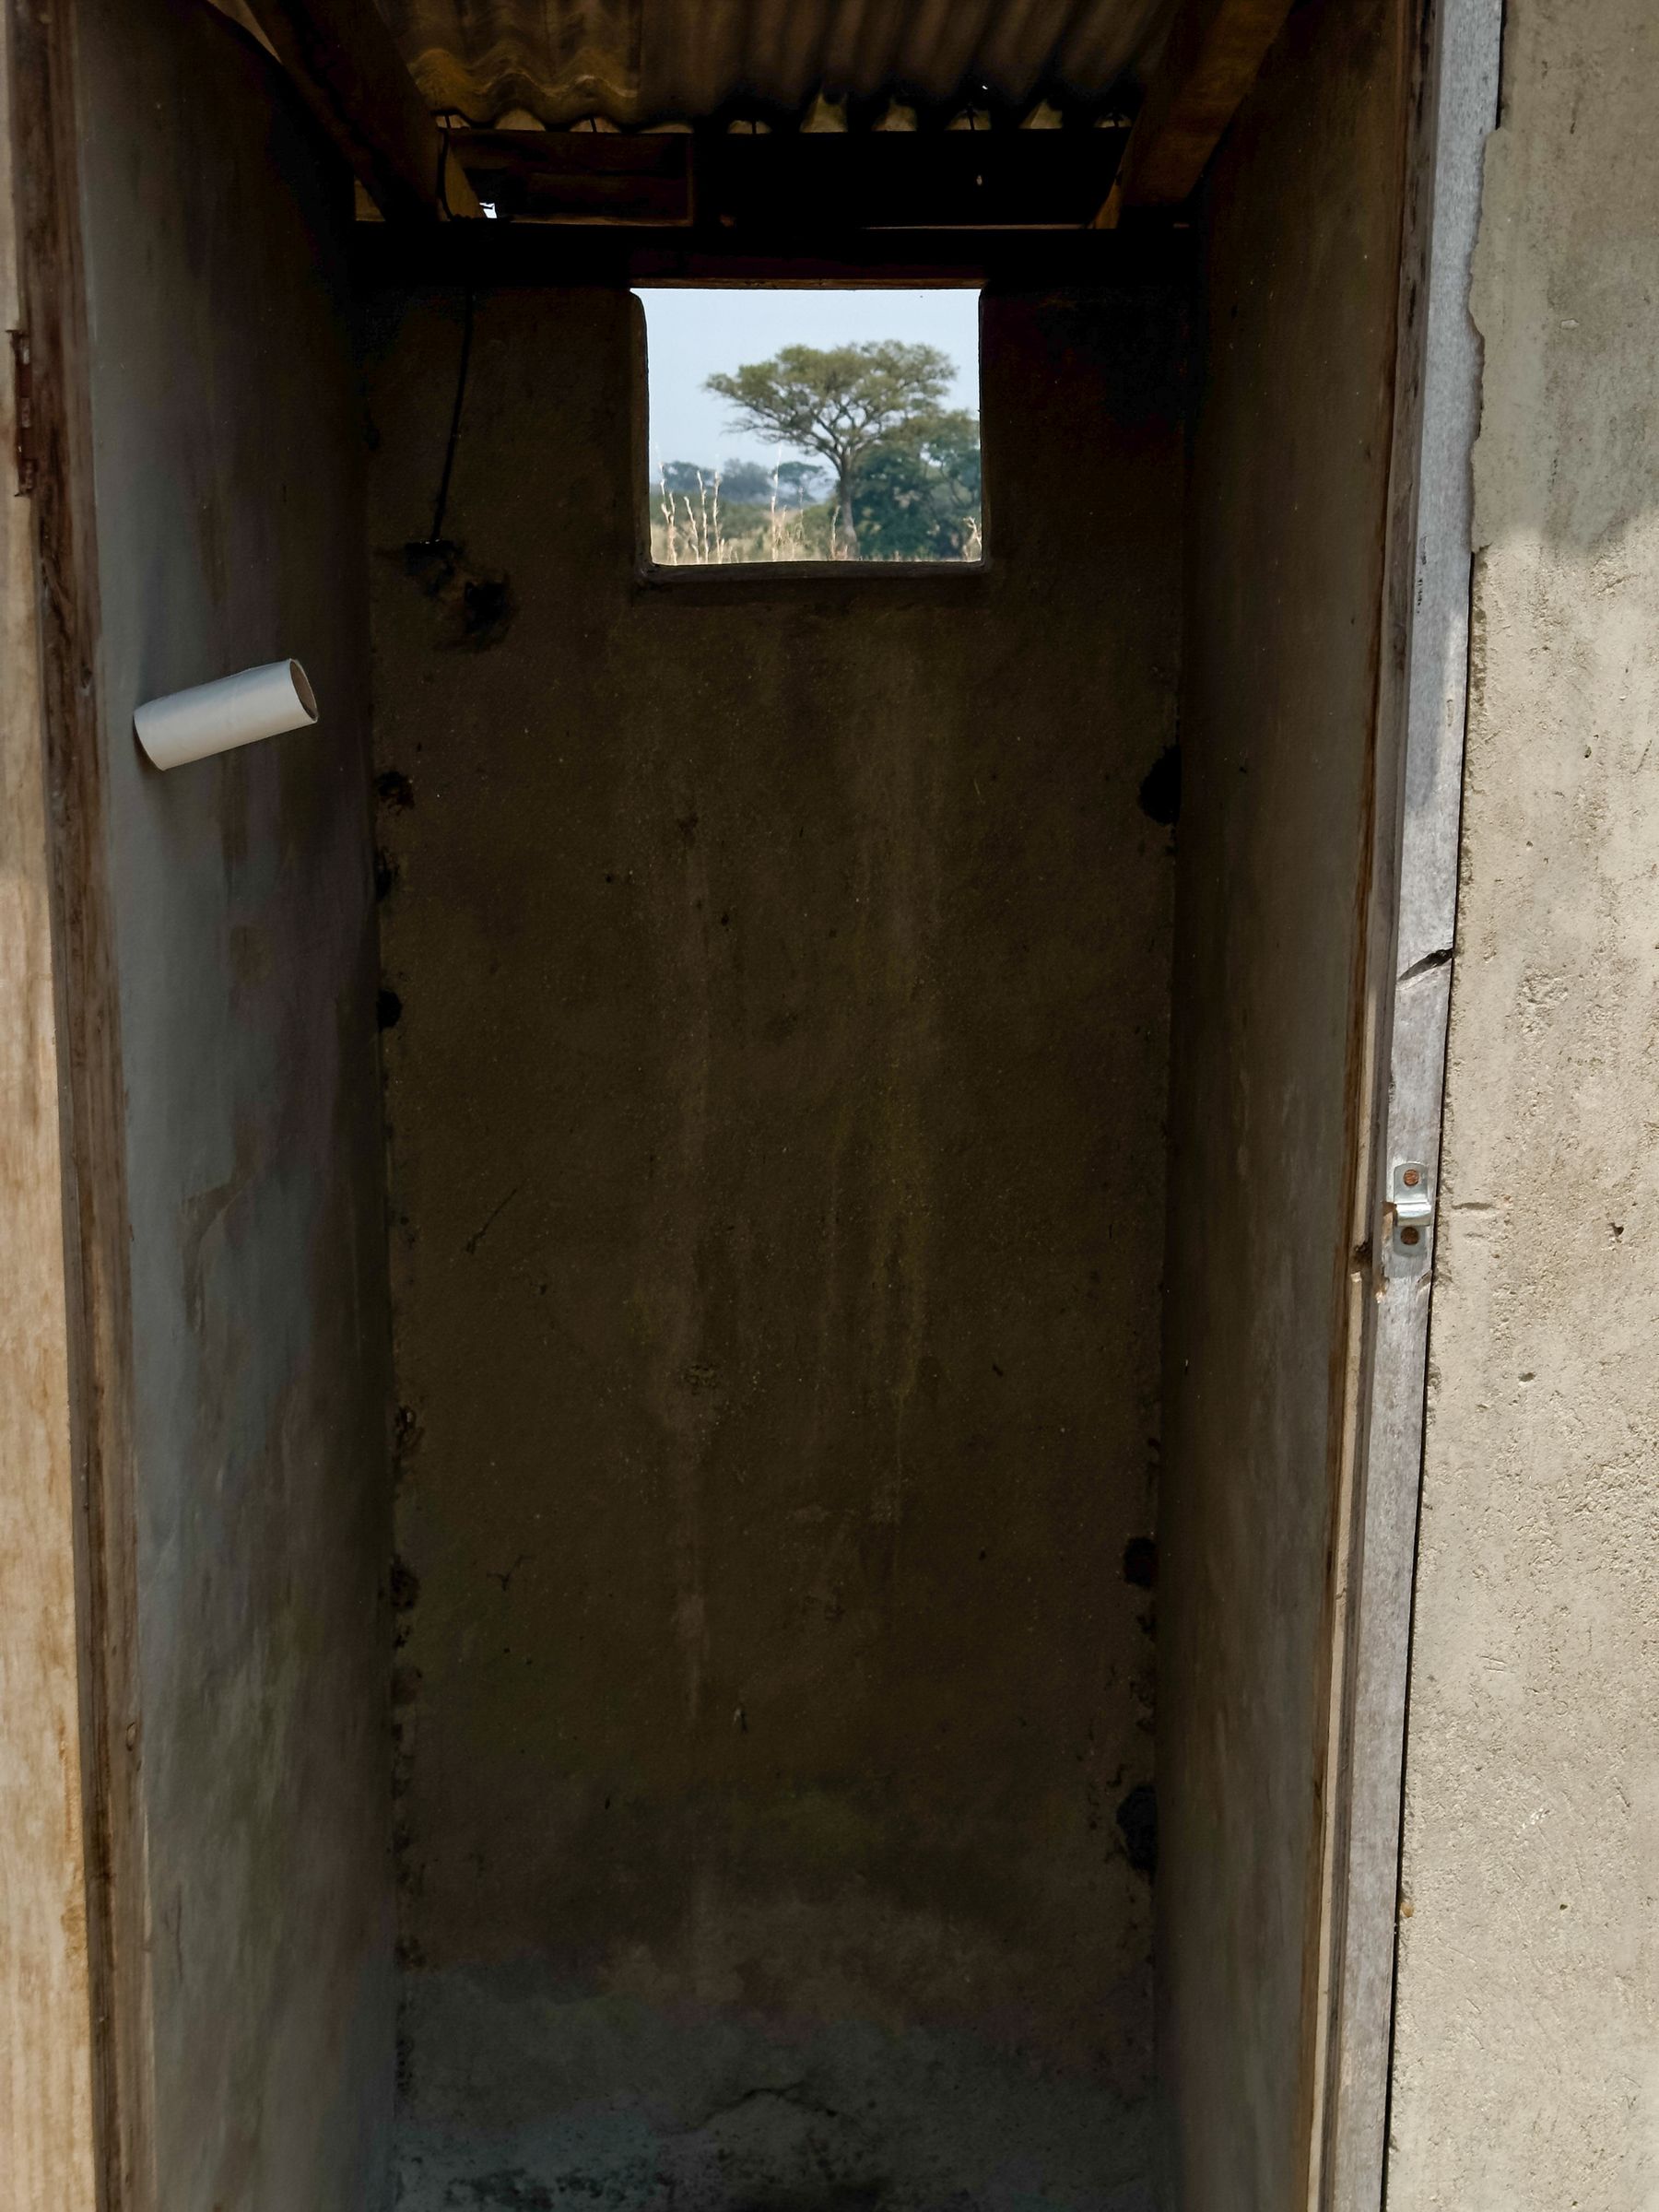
x,y
748,482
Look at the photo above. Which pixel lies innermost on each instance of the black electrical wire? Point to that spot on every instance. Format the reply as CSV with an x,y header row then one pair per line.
x,y
455,429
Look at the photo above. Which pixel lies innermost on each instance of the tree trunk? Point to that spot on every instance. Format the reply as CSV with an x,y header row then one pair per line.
x,y
843,499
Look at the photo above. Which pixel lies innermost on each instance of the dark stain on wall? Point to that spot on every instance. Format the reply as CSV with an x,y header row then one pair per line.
x,y
1160,788
1138,1818
1140,1562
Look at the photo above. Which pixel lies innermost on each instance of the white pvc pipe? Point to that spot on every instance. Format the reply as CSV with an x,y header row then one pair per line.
x,y
217,717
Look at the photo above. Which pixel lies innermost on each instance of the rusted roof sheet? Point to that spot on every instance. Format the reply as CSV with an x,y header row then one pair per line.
x,y
640,61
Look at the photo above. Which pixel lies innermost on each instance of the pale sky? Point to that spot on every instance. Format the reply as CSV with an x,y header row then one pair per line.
x,y
689,333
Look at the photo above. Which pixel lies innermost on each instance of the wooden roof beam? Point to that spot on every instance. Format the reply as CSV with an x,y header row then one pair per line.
x,y
502,255
786,186
1214,55
349,73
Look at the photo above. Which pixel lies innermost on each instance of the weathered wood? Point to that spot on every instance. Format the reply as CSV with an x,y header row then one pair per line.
x,y
1215,54
47,2151
342,58
92,1222
533,253
789,184
582,176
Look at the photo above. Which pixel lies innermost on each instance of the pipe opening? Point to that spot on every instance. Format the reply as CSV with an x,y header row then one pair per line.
x,y
306,696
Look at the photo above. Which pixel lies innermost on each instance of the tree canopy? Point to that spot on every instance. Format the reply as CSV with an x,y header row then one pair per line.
x,y
916,495
847,402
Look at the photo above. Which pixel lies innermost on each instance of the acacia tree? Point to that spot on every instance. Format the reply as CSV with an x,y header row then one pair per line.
x,y
841,402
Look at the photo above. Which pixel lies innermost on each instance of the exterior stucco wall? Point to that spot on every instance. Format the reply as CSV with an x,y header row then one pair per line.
x,y
227,452
776,1106
1527,2048
1288,499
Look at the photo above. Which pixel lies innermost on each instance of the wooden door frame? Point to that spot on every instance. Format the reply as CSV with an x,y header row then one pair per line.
x,y
91,1311
1411,932
47,2135
97,2150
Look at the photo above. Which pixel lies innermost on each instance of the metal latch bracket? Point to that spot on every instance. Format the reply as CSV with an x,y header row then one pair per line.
x,y
1411,1216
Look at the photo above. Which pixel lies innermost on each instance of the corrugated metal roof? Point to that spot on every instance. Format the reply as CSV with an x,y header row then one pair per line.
x,y
637,62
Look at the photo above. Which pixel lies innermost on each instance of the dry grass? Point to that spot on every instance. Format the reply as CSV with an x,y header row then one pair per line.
x,y
706,532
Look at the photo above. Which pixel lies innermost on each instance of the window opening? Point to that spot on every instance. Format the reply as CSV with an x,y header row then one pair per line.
x,y
790,425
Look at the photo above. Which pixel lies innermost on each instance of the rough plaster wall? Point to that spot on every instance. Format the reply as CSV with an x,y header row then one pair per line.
x,y
1289,483
776,1101
227,443
1527,2051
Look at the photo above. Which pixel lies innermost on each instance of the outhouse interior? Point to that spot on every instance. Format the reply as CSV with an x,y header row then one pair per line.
x,y
739,1179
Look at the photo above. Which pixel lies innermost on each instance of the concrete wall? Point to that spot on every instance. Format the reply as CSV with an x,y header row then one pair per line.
x,y
780,972
1288,497
1527,2046
228,440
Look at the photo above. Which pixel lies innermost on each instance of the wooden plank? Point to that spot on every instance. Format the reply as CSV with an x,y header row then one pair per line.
x,y
555,253
348,68
1214,55
47,2148
784,183
92,1220
582,176
983,181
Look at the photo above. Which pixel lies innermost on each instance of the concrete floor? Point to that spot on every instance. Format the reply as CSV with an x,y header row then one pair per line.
x,y
740,2116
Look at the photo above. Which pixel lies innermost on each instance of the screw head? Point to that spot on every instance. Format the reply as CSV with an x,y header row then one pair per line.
x,y
1411,1236
1411,1179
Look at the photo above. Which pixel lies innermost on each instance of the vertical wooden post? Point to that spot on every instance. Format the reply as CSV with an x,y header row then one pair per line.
x,y
68,1228
47,2151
